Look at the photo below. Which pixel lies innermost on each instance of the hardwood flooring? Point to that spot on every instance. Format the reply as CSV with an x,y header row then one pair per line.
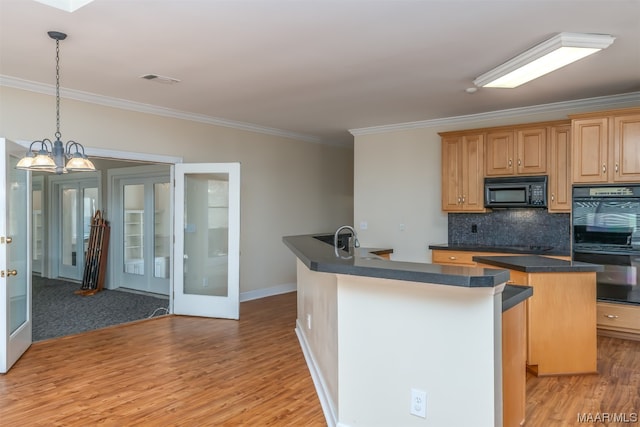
x,y
613,392
189,371
169,371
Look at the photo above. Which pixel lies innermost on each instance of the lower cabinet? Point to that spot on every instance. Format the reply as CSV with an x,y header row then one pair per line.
x,y
514,359
618,320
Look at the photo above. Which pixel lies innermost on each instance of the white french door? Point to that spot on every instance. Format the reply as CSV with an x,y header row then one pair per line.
x,y
15,256
207,240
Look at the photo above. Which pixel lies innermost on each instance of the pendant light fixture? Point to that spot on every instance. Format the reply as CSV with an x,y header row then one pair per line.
x,y
48,156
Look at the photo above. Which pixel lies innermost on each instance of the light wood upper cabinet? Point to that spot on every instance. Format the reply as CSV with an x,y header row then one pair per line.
x,y
626,147
500,152
590,147
522,151
559,169
606,146
462,177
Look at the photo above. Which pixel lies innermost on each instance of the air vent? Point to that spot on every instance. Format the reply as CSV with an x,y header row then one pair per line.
x,y
160,79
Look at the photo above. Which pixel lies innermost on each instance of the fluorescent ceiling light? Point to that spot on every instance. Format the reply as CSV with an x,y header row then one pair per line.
x,y
555,53
66,5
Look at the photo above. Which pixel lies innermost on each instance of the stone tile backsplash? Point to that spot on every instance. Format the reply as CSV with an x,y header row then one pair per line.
x,y
511,227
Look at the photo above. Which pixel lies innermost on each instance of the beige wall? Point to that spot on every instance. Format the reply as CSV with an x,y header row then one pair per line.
x,y
397,183
287,186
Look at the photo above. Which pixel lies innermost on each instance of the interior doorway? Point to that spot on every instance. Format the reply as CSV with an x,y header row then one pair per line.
x,y
48,256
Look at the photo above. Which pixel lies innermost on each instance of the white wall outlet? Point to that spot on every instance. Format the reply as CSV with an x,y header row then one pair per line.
x,y
418,403
364,225
309,321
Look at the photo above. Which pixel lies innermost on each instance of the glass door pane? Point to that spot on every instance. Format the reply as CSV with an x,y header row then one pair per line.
x,y
89,207
162,229
16,259
69,226
37,227
133,238
206,238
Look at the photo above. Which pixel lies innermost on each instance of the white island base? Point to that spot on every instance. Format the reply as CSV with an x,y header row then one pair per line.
x,y
369,341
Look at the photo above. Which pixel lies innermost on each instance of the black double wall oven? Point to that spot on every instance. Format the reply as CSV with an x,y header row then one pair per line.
x,y
606,231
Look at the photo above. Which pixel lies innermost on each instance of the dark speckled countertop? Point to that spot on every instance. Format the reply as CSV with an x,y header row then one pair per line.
x,y
537,264
321,257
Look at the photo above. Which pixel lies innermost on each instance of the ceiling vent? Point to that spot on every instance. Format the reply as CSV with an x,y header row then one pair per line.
x,y
160,79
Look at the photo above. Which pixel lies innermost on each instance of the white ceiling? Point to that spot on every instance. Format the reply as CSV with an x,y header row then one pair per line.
x,y
316,68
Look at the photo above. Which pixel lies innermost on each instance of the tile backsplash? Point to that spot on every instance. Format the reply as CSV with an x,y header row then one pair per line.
x,y
511,227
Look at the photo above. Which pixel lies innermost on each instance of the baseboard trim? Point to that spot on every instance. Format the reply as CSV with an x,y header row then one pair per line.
x,y
268,292
321,388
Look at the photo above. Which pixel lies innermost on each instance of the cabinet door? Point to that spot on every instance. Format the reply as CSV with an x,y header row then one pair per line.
x,y
451,173
626,135
589,150
559,169
531,151
499,153
472,173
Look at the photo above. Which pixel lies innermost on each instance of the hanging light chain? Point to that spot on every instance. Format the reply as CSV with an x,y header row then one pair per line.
x,y
58,134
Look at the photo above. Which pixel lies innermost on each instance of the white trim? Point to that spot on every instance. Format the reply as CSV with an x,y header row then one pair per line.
x,y
603,102
285,288
119,154
139,107
322,390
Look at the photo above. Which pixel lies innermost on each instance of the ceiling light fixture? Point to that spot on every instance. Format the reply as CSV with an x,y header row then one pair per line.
x,y
560,50
51,156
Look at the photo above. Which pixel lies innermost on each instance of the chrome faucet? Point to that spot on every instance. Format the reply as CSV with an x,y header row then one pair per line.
x,y
352,242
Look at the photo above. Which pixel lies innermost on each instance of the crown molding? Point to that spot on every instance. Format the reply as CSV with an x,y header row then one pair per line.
x,y
602,102
152,109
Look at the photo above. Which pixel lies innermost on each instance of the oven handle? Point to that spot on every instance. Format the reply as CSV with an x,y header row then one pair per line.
x,y
606,258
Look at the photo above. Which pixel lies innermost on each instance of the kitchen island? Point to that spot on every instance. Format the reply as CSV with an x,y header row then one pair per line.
x,y
373,330
561,315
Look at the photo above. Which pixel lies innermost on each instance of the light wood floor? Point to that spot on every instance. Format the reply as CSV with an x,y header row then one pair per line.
x,y
187,371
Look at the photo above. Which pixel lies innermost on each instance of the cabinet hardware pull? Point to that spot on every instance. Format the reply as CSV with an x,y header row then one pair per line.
x,y
452,258
459,200
616,168
519,162
604,168
463,198
611,316
510,162
553,197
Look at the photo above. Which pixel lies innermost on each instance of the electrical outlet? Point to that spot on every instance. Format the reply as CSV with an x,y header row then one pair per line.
x,y
309,321
418,403
474,228
364,225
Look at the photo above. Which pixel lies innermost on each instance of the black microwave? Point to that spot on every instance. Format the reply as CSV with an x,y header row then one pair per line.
x,y
516,192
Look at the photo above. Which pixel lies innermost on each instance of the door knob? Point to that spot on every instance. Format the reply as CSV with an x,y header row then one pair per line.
x,y
8,273
6,240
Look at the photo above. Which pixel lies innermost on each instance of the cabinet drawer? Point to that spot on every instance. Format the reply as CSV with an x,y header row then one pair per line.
x,y
453,257
621,317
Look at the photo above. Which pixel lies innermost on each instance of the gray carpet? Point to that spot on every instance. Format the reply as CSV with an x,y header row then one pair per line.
x,y
58,311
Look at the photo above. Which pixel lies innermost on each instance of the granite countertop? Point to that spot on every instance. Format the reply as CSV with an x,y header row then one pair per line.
x,y
515,249
321,257
538,264
514,295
